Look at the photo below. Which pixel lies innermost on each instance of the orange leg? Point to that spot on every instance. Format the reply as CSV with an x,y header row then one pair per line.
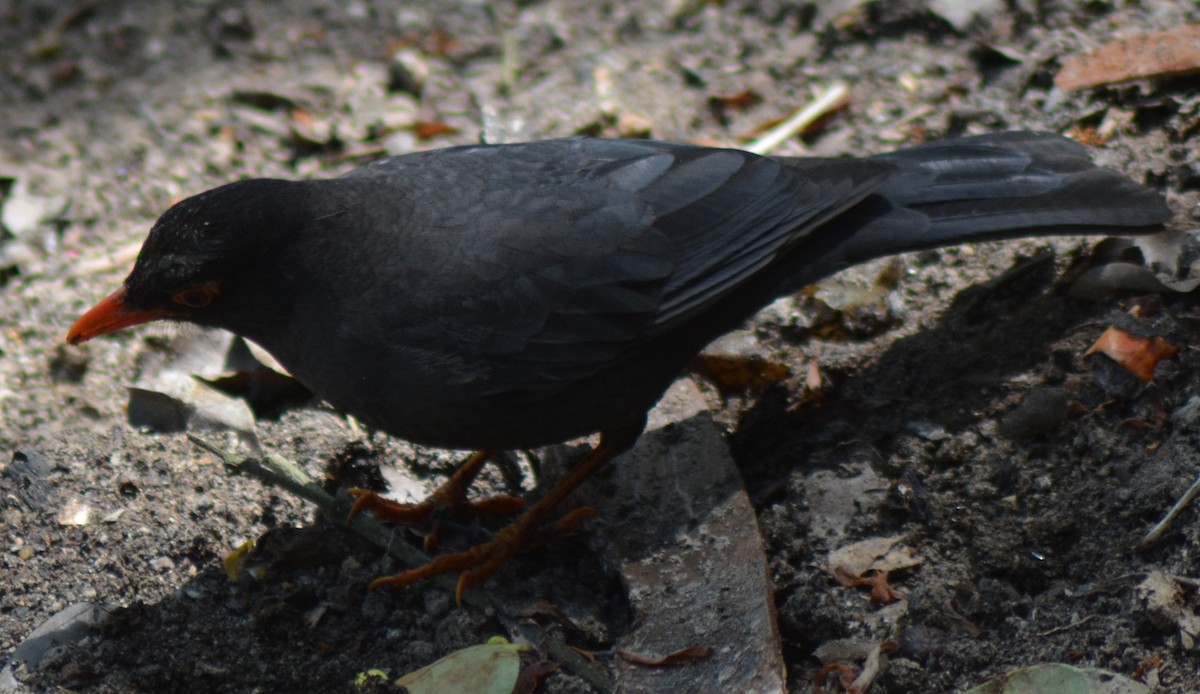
x,y
566,525
452,494
481,561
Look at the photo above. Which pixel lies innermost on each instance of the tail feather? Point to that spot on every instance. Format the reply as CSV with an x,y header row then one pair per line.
x,y
992,187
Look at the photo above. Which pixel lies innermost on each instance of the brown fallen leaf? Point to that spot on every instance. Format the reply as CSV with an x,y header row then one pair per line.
x,y
742,100
683,655
532,676
739,374
881,592
845,678
1139,355
1164,54
426,130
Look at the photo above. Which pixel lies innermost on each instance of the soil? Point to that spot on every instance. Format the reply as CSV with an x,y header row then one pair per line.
x,y
1022,472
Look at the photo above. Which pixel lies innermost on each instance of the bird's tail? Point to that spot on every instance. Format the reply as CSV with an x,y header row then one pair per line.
x,y
987,187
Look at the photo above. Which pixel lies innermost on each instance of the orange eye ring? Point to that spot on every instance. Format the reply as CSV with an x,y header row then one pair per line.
x,y
199,296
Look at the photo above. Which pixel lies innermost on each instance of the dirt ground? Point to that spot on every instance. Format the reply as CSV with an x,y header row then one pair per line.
x,y
958,405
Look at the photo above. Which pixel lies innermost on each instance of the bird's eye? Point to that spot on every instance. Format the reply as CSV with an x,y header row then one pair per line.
x,y
196,297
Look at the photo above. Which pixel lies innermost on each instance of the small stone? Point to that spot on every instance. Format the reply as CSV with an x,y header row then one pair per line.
x,y
1161,600
1041,413
926,430
408,71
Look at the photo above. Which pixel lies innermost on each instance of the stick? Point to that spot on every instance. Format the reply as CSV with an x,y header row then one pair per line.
x,y
832,98
1160,528
277,471
280,472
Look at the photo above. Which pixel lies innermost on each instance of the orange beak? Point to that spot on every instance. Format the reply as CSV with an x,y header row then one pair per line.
x,y
109,316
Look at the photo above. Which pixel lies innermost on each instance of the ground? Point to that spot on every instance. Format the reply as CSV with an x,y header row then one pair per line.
x,y
958,402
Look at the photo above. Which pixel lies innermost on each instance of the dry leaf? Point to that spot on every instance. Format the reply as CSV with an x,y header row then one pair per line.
x,y
426,130
683,655
739,374
1165,54
1139,355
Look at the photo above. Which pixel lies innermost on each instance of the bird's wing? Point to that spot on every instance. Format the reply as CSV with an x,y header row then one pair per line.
x,y
615,243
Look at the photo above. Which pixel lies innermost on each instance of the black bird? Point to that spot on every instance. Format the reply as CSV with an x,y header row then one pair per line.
x,y
510,296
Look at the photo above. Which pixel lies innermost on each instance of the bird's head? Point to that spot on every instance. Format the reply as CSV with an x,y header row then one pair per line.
x,y
195,253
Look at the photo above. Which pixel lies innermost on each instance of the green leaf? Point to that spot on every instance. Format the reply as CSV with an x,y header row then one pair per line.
x,y
488,669
1055,678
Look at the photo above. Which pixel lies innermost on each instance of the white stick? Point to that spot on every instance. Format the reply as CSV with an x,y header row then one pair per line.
x,y
800,120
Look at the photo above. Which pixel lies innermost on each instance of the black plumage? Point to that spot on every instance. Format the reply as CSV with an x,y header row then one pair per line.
x,y
517,295
497,297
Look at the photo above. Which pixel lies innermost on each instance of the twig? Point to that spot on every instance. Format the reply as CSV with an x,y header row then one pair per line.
x,y
280,472
277,471
1192,583
1160,528
1065,627
832,98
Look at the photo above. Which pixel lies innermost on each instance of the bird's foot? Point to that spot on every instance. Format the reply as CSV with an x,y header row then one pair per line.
x,y
480,562
476,564
451,495
418,513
